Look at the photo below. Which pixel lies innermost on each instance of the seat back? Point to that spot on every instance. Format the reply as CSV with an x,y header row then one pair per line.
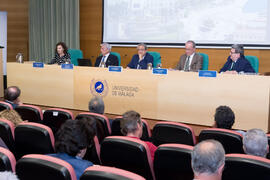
x,y
268,155
205,61
254,61
242,166
173,161
103,124
7,134
5,105
43,167
30,113
75,54
118,57
156,57
55,117
108,173
127,153
173,132
116,129
7,160
33,138
93,152
231,140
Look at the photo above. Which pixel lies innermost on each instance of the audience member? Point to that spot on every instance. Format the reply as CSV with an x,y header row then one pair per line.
x,y
106,58
208,160
142,59
11,96
237,62
11,115
131,126
190,61
72,140
224,117
255,143
96,105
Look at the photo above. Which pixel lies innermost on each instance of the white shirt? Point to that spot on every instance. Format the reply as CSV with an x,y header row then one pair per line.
x,y
190,60
105,59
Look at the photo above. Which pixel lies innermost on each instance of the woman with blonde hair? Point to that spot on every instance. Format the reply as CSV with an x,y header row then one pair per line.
x,y
11,115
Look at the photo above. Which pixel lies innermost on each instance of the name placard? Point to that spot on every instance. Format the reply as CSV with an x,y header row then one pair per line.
x,y
160,71
115,68
204,73
38,64
67,66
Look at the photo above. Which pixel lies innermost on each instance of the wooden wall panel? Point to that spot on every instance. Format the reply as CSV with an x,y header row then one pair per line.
x,y
91,34
17,25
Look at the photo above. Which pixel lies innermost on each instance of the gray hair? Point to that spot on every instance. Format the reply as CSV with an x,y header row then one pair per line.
x,y
142,44
255,142
107,45
8,175
129,122
207,157
239,48
192,42
96,105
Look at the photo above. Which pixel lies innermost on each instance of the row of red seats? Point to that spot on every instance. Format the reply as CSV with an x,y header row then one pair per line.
x,y
43,167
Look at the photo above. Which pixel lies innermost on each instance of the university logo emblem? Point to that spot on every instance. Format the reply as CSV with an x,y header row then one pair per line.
x,y
99,87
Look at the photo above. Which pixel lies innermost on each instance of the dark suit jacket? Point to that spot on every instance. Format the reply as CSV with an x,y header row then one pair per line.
x,y
148,58
241,65
196,63
112,60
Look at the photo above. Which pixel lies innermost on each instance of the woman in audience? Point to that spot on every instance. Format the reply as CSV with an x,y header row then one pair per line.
x,y
72,140
61,54
11,115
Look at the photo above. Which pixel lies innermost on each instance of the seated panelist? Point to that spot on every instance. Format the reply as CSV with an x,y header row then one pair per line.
x,y
190,61
106,58
61,54
237,62
142,59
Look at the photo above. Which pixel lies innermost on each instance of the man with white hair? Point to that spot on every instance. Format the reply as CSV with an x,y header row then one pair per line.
x,y
208,160
106,58
255,143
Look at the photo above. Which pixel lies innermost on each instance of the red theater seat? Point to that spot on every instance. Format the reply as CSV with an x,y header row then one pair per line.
x,y
108,173
7,160
173,161
43,167
33,138
231,140
127,153
173,132
30,113
242,166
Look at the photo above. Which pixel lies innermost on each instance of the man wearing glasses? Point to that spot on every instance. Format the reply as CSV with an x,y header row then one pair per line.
x,y
142,59
190,61
237,62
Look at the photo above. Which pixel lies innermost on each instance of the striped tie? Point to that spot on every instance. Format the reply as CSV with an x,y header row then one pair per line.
x,y
186,68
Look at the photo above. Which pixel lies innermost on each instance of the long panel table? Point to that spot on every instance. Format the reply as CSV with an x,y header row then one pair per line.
x,y
178,96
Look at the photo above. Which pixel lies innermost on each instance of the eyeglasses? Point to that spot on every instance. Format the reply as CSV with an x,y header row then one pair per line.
x,y
233,52
141,49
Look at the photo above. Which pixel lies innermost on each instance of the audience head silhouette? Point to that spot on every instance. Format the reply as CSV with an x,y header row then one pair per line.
x,y
255,143
131,124
224,117
207,160
96,105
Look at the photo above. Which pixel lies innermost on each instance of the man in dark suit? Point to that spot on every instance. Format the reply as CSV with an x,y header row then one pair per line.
x,y
106,59
142,59
237,62
190,61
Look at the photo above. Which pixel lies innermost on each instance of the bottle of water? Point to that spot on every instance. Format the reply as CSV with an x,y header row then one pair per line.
x,y
149,66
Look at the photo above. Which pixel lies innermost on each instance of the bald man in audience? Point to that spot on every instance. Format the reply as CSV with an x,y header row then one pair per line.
x,y
255,143
11,96
190,61
208,160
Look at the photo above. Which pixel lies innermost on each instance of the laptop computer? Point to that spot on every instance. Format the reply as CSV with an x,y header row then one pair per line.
x,y
84,62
